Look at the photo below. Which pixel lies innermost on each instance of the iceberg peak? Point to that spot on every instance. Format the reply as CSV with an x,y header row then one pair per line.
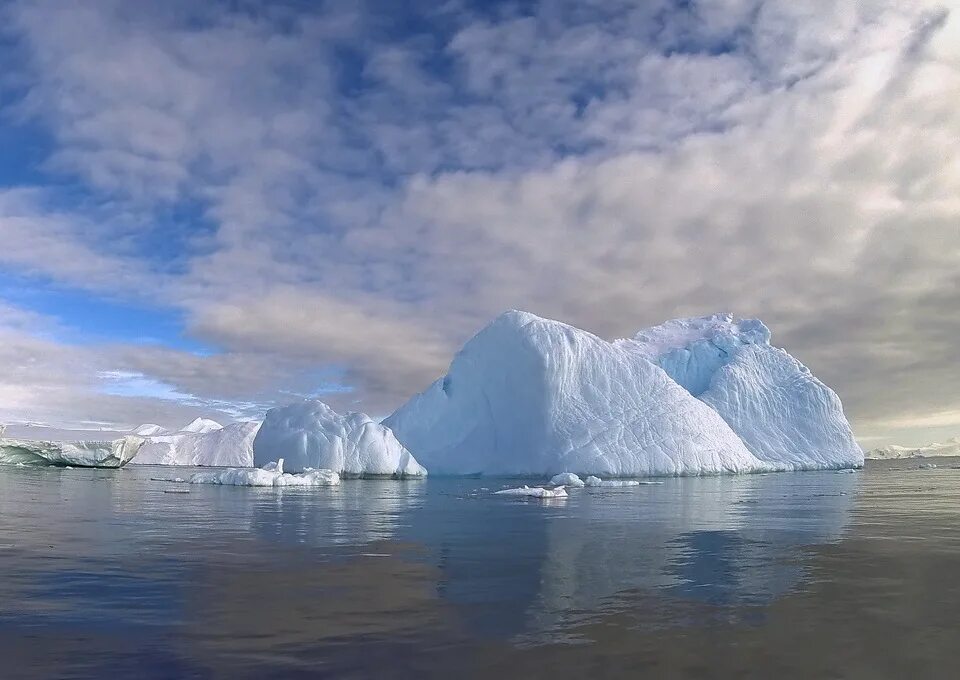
x,y
202,426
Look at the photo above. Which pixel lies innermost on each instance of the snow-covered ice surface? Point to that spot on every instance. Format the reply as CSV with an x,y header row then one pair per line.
x,y
109,454
533,492
951,448
533,397
202,443
271,474
310,434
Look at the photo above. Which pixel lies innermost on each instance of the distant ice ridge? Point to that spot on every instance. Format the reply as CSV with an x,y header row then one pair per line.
x,y
271,474
203,443
109,454
529,396
310,434
951,447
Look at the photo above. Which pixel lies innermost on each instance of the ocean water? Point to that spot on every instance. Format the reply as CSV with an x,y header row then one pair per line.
x,y
111,574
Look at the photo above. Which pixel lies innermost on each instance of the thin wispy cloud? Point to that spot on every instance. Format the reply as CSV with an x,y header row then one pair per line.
x,y
357,187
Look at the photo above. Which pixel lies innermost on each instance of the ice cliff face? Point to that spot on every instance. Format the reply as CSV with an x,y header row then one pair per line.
x,y
310,434
530,396
201,443
109,454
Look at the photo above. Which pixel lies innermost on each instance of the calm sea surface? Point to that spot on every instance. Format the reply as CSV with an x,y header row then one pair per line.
x,y
107,574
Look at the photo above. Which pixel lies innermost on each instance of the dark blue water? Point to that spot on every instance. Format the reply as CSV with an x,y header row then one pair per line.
x,y
107,574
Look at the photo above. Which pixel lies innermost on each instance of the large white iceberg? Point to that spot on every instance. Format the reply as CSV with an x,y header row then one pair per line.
x,y
109,454
310,434
529,396
202,443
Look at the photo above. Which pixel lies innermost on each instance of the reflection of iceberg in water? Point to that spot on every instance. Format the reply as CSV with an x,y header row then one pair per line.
x,y
357,511
717,541
529,572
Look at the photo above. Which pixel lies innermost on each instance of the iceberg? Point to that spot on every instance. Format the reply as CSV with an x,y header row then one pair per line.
x,y
566,479
310,434
202,443
529,396
104,454
951,447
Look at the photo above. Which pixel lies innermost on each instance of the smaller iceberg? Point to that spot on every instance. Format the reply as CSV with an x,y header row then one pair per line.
x,y
101,454
202,443
566,479
271,474
533,492
311,435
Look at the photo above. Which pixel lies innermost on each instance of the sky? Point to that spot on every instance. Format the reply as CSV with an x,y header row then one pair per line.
x,y
214,208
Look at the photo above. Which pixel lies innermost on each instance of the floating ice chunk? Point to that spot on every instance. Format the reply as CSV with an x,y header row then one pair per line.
x,y
566,479
107,454
275,476
533,492
310,434
927,466
611,483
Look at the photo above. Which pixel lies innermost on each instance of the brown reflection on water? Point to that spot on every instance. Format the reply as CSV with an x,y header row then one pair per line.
x,y
882,602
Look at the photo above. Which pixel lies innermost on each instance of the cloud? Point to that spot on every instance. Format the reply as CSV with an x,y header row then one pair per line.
x,y
370,196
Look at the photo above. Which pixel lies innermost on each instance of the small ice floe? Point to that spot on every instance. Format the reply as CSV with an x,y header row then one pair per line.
x,y
566,479
271,474
927,466
848,471
596,481
534,492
